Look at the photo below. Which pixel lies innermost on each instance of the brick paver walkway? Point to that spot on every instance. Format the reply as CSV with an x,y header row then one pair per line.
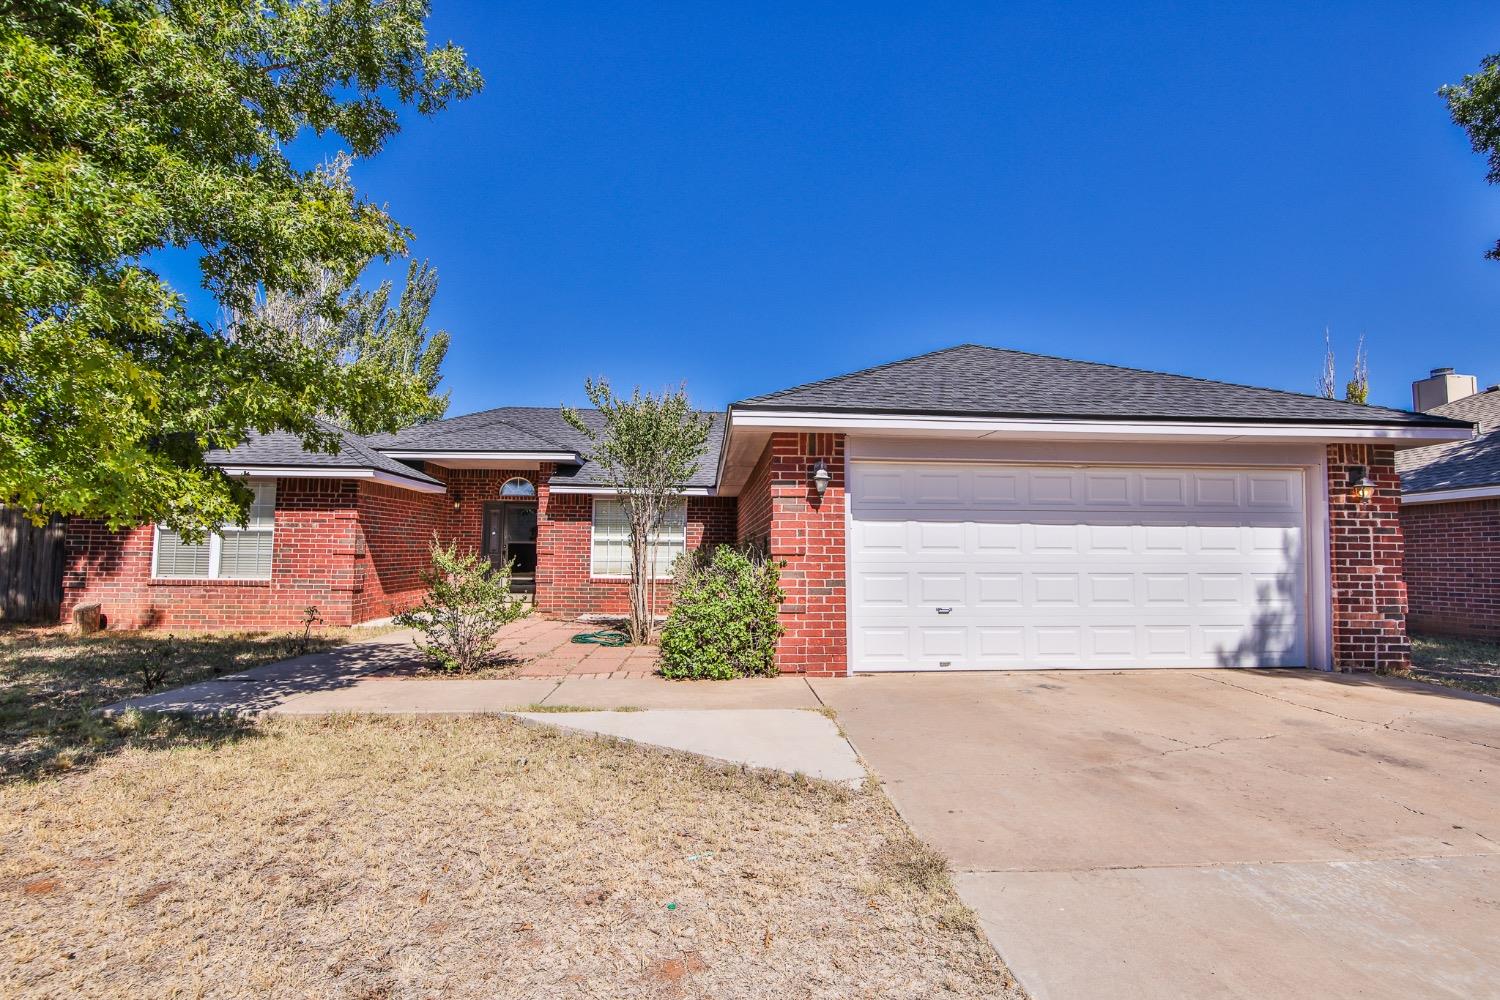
x,y
548,649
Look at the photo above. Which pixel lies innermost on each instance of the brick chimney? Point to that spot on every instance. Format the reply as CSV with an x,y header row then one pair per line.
x,y
1442,386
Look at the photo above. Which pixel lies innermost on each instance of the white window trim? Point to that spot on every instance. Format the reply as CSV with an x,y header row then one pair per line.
x,y
216,549
661,572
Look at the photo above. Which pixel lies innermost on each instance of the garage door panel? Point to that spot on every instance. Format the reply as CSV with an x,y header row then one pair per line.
x,y
1050,567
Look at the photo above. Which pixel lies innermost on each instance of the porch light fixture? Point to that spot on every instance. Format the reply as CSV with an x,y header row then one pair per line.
x,y
821,477
1361,486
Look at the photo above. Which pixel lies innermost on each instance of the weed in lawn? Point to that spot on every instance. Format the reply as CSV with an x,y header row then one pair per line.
x,y
908,861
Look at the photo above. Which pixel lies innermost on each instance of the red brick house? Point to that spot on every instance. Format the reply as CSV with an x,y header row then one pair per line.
x,y
973,508
1450,513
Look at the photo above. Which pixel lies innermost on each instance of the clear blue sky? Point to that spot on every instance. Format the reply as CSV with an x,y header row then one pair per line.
x,y
747,197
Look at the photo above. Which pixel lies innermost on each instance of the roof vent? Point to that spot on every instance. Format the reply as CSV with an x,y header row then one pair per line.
x,y
1441,387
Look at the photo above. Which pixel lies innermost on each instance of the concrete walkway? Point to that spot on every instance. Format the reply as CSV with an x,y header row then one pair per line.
x,y
1205,834
796,742
768,722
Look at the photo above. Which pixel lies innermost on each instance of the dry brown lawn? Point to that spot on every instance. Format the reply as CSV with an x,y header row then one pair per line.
x,y
475,857
52,681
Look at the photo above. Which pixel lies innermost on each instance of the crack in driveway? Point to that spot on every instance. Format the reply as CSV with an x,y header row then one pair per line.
x,y
1390,725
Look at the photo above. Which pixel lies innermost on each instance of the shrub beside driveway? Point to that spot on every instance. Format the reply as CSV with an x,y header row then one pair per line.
x,y
469,857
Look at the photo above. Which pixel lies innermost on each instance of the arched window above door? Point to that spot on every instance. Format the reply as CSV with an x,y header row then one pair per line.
x,y
518,487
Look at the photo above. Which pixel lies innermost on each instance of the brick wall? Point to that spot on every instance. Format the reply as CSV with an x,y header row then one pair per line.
x,y
1369,595
804,531
1453,567
754,517
396,527
565,539
316,550
356,550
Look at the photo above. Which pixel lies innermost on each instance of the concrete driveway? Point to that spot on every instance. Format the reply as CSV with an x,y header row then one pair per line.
x,y
1204,834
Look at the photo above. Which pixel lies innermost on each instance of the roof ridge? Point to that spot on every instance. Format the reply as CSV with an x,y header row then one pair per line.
x,y
1192,378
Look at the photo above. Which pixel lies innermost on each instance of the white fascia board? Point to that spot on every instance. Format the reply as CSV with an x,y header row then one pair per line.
x,y
332,472
1449,496
488,456
687,491
1050,427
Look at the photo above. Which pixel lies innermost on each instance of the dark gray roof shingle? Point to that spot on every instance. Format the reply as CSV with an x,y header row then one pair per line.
x,y
1462,464
282,449
973,380
536,429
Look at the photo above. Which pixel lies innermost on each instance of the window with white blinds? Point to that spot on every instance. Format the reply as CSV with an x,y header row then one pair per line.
x,y
232,553
611,548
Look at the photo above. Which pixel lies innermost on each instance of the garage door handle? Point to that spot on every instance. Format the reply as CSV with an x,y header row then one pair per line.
x,y
945,611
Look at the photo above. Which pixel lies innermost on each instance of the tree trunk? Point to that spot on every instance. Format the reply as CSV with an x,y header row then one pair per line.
x,y
640,605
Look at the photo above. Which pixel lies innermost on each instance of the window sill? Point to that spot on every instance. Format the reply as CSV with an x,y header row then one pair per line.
x,y
203,581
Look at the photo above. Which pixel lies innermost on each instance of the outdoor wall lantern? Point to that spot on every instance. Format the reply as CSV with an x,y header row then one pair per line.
x,y
821,477
1361,486
458,501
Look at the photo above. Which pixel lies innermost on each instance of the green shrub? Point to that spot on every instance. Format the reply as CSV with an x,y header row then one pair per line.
x,y
468,601
724,617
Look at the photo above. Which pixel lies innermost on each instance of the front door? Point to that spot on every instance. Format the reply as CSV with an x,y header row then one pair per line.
x,y
510,537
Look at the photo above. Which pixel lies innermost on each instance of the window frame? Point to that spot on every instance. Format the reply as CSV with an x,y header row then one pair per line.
x,y
528,494
215,543
662,572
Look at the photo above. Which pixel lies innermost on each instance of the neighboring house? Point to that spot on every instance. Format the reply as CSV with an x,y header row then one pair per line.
x,y
1450,513
972,508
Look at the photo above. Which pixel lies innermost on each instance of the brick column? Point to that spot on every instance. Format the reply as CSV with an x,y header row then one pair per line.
x,y
807,534
1369,594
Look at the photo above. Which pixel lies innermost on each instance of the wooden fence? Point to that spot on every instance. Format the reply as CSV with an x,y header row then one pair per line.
x,y
31,568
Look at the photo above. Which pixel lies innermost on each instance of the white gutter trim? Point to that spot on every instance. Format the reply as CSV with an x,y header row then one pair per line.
x,y
812,419
1448,496
332,472
571,457
687,491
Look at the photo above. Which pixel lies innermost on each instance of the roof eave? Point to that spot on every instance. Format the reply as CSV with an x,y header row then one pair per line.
x,y
1423,420
420,484
1452,494
1408,433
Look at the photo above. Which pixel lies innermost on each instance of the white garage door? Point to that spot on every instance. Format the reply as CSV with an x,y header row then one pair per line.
x,y
983,567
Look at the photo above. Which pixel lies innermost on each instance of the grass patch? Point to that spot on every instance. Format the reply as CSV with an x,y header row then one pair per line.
x,y
1470,664
52,681
474,856
542,709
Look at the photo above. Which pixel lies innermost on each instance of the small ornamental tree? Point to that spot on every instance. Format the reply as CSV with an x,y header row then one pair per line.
x,y
724,617
647,447
468,601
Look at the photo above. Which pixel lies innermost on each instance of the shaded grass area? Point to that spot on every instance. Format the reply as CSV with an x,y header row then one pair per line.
x,y
469,857
52,681
1470,664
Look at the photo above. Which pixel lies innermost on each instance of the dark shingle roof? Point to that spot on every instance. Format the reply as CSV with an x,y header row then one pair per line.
x,y
1462,464
973,380
282,449
531,428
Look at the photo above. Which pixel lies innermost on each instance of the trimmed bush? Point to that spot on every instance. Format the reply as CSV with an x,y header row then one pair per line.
x,y
468,601
723,622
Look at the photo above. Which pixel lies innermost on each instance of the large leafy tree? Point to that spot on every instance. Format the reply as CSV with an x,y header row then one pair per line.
x,y
132,126
365,328
1475,105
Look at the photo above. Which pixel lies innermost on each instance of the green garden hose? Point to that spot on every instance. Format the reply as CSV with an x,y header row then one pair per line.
x,y
607,637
